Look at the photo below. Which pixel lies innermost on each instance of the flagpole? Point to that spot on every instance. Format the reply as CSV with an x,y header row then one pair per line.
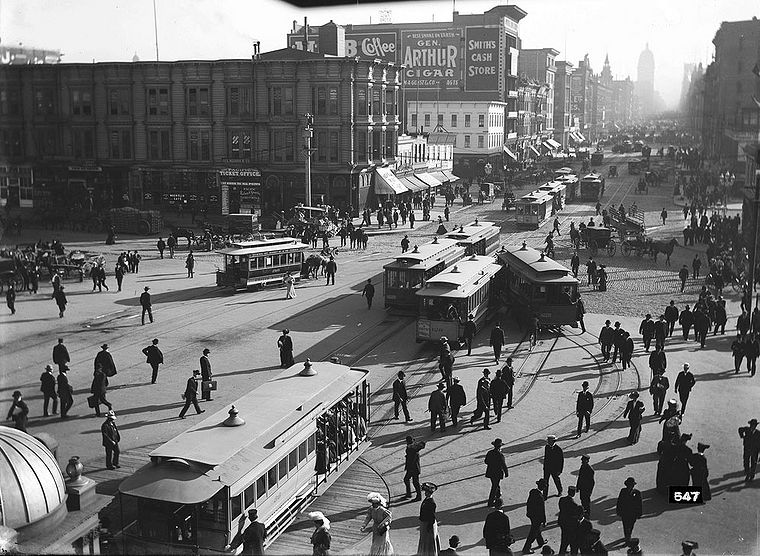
x,y
155,27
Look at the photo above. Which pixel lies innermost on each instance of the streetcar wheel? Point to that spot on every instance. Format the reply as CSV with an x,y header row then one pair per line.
x,y
593,248
611,248
626,248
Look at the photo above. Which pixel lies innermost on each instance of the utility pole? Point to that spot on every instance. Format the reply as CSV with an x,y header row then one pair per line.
x,y
308,133
756,215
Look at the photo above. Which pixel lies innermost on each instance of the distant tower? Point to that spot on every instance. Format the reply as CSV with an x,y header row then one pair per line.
x,y
688,70
645,81
606,71
135,58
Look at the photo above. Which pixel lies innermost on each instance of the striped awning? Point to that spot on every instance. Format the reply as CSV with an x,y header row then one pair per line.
x,y
449,175
509,153
428,179
552,144
439,176
413,183
535,150
388,184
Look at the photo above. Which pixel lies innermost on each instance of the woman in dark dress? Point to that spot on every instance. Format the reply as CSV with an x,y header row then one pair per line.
x,y
634,410
680,472
699,471
430,544
320,538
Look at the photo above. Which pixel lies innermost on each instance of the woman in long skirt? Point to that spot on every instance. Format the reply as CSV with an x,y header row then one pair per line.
x,y
320,538
430,544
381,517
290,285
699,471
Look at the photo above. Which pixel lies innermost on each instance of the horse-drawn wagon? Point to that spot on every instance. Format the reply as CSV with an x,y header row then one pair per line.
x,y
596,237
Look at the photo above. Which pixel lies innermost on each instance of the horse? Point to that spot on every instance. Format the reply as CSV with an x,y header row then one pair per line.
x,y
663,247
316,263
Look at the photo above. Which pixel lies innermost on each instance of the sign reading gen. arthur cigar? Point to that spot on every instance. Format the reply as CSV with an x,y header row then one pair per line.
x,y
432,58
372,46
482,72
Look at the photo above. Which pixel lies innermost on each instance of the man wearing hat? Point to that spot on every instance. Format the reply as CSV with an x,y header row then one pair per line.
x,y
689,547
400,396
497,340
496,470
191,395
671,316
684,383
699,471
660,332
570,514
61,354
111,438
606,337
470,330
437,407
498,390
646,329
634,410
285,343
634,547
65,392
585,484
98,389
452,549
457,398
497,531
508,376
18,412
535,509
104,361
629,507
146,304
412,467
47,387
584,405
751,441
154,358
321,539
483,397
554,462
252,538
206,373
658,388
658,362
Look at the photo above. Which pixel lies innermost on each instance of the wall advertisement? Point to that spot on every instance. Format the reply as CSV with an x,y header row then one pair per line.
x,y
372,46
241,190
482,44
432,58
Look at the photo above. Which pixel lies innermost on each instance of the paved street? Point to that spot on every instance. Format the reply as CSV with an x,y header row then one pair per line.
x,y
242,330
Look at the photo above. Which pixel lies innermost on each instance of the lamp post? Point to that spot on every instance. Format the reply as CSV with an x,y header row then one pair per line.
x,y
308,133
756,216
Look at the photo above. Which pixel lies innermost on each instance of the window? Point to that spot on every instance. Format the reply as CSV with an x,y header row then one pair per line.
x,y
281,146
312,443
361,146
239,101
118,102
281,100
197,101
481,120
10,145
325,100
390,102
332,100
261,487
250,496
302,451
361,101
440,119
466,141
83,143
158,101
236,507
750,119
272,478
377,108
120,144
453,120
10,102
293,459
427,120
283,468
81,102
322,146
199,144
43,102
414,121
377,144
47,144
466,120
334,153
158,144
390,138
239,145
480,141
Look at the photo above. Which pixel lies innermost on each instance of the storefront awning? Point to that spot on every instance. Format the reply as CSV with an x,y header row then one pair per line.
x,y
553,143
388,184
535,150
580,136
509,153
428,179
450,176
439,176
413,184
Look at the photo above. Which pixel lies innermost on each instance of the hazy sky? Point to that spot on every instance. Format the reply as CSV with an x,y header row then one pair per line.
x,y
677,31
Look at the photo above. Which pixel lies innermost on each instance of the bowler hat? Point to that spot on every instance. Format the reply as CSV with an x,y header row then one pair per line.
x,y
692,545
441,386
253,514
702,447
48,368
585,457
196,372
110,415
486,372
456,379
633,395
551,437
547,550
752,422
16,394
205,351
630,481
541,483
104,346
498,503
147,288
498,442
429,487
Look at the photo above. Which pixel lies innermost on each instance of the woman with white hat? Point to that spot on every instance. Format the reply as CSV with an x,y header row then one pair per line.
x,y
320,538
429,544
381,517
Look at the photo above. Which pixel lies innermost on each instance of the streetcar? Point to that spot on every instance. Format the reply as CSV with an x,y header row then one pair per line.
x,y
446,300
409,272
257,263
558,190
592,187
533,209
278,447
478,238
535,285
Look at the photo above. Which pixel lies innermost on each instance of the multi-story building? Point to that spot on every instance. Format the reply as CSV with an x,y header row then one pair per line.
x,y
582,84
540,64
645,82
426,151
623,102
532,98
565,126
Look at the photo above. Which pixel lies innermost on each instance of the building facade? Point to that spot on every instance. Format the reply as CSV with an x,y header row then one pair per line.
x,y
565,126
645,82
540,64
582,84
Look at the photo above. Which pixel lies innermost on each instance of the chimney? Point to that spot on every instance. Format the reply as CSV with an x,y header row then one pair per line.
x,y
332,39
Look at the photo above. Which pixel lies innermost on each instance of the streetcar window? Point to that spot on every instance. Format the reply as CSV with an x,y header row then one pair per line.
x,y
261,486
268,262
302,451
293,459
283,467
236,507
250,495
272,477
540,292
214,512
312,443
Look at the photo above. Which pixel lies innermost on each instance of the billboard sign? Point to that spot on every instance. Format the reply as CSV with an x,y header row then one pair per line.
x,y
482,44
241,190
432,58
371,46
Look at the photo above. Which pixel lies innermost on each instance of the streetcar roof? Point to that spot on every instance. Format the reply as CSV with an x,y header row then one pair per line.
x,y
528,262
473,230
258,248
536,197
424,252
214,456
459,280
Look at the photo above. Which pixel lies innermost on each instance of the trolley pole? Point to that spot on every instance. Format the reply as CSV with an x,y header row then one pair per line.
x,y
756,216
308,133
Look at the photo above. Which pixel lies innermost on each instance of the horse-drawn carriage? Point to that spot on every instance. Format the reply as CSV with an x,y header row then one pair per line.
x,y
596,237
9,274
612,173
635,243
313,219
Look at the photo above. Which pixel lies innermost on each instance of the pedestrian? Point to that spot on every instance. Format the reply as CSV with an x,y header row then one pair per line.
x,y
683,275
606,339
10,298
104,361
252,537
585,484
102,278
689,547
575,263
321,539
146,304
330,268
497,340
61,354
119,274
554,462
498,391
721,318
700,472
65,391
290,285
580,310
47,387
535,509
584,405
626,351
206,374
684,383
663,215
483,398
617,341
634,410
738,350
602,277
161,245
34,278
658,388
171,243
457,398
591,272
453,543
686,320
752,348
400,396
56,283
496,470
660,331
111,437
95,277
98,389
696,264
60,299
368,292
429,543
446,212
496,531
437,407
634,547
381,517
136,258
658,362
154,358
405,244
751,443
191,395
508,376
701,326
412,467
470,330
629,507
18,412
190,264
285,344
446,362
556,226
570,514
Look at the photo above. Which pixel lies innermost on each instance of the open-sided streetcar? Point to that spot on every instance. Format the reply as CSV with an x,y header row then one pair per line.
x,y
256,263
409,272
278,447
478,238
592,187
559,190
535,285
533,209
467,288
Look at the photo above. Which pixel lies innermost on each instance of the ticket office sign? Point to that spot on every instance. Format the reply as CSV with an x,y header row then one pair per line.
x,y
482,59
432,58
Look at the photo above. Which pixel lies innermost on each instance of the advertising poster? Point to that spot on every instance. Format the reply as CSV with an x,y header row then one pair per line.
x,y
371,46
432,58
482,72
241,190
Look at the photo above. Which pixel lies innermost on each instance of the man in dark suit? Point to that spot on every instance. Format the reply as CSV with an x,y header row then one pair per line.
x,y
400,396
65,392
470,330
154,358
206,373
498,392
617,340
98,389
252,538
191,395
646,329
508,376
496,530
111,438
437,407
285,344
457,398
554,462
536,512
496,470
47,387
606,339
412,467
684,383
660,332
146,304
104,361
497,341
629,507
584,405
585,484
483,398
61,354
569,517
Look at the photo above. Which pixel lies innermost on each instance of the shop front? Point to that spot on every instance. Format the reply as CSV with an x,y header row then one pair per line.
x,y
180,190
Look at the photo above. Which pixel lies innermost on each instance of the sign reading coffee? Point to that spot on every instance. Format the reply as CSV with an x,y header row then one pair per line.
x,y
482,59
375,46
431,58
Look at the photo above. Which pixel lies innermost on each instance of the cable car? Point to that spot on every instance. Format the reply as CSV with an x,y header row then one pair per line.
x,y
257,263
535,285
533,209
592,187
478,238
446,300
279,447
558,190
409,272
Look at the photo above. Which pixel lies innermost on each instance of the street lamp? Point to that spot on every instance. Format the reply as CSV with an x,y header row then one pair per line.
x,y
308,133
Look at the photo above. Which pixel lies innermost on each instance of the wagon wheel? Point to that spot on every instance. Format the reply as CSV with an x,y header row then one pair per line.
x,y
611,248
143,227
593,248
626,248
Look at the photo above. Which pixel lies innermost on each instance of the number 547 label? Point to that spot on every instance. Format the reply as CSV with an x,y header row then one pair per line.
x,y
685,495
